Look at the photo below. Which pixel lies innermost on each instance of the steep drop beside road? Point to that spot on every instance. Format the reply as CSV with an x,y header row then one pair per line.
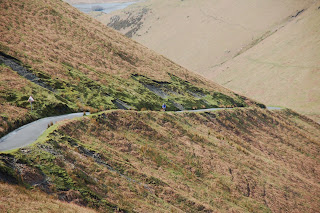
x,y
239,160
29,133
70,62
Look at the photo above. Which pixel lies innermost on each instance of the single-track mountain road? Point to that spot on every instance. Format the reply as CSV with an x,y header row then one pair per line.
x,y
29,133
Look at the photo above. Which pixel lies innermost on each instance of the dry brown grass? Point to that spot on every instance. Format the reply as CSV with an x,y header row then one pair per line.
x,y
265,151
12,116
201,35
232,160
252,160
47,34
15,198
10,82
9,114
75,51
283,70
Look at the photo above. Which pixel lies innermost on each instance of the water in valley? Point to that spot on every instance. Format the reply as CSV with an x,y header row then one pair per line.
x,y
103,7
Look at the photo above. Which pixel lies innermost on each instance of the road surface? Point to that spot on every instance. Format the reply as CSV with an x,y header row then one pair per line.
x,y
29,133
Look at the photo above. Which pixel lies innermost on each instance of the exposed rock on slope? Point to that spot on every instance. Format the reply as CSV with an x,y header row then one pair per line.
x,y
76,63
234,160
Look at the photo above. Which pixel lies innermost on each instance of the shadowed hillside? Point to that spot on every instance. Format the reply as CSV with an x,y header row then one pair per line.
x,y
241,160
70,62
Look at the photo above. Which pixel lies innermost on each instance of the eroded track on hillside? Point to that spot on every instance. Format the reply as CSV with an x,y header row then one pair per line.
x,y
17,66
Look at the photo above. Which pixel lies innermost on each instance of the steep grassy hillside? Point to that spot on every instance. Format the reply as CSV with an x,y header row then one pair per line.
x,y
240,160
73,63
237,160
15,109
283,69
200,34
33,201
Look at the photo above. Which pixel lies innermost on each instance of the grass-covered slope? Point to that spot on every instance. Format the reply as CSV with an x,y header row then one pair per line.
x,y
19,199
72,63
268,51
240,160
202,34
285,67
15,109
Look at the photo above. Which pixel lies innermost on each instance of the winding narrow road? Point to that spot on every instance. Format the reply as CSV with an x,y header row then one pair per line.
x,y
29,133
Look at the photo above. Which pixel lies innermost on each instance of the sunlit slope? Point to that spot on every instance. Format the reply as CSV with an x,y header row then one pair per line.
x,y
71,62
283,69
200,34
51,36
14,198
239,160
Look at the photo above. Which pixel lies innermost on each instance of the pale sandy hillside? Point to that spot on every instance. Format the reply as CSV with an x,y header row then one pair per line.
x,y
94,1
75,63
283,69
202,35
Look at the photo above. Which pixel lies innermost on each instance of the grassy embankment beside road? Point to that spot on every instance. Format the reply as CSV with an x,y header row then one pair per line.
x,y
229,160
88,67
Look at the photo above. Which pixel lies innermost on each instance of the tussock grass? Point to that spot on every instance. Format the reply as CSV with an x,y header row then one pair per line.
x,y
15,198
252,160
15,108
87,65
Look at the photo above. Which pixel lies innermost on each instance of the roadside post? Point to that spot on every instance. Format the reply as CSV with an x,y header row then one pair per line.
x,y
30,101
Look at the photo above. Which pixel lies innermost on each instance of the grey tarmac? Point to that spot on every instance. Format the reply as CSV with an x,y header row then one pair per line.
x,y
29,133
